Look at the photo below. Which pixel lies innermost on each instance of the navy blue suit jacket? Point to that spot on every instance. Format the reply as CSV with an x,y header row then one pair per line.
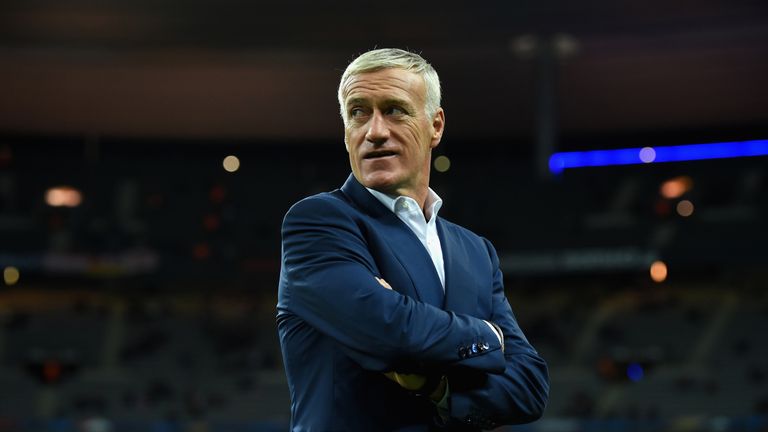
x,y
340,329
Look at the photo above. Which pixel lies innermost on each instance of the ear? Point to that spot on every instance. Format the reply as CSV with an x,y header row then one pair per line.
x,y
438,126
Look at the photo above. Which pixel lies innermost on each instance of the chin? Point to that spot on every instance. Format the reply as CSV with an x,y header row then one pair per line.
x,y
379,181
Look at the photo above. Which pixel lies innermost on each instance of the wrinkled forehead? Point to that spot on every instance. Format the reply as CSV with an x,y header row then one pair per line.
x,y
389,82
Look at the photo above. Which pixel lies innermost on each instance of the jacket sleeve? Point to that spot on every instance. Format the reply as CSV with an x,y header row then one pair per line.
x,y
520,394
328,279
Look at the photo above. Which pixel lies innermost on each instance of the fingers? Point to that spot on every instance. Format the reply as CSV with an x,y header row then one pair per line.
x,y
383,283
410,382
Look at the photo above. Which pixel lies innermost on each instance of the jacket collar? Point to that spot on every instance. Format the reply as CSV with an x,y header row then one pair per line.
x,y
363,199
411,253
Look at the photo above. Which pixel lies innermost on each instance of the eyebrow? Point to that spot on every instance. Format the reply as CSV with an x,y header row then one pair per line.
x,y
356,101
401,102
390,101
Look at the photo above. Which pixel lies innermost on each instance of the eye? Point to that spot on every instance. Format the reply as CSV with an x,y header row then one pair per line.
x,y
396,111
356,112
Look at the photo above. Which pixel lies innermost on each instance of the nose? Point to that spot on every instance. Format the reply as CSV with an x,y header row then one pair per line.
x,y
378,130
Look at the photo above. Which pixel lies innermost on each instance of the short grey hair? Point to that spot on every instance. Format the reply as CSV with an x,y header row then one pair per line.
x,y
389,58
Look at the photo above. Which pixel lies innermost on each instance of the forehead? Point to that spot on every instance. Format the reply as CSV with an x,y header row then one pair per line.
x,y
386,83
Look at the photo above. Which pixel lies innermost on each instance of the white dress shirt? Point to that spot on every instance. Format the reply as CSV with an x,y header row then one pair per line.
x,y
423,224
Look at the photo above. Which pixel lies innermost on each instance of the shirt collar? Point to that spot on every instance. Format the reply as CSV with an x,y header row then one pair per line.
x,y
432,204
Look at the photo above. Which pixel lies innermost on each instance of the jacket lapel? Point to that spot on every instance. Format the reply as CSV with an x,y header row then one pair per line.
x,y
460,289
406,247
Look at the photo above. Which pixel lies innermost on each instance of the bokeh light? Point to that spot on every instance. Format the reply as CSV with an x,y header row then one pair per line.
x,y
231,163
685,208
11,275
676,187
658,271
63,196
647,154
442,163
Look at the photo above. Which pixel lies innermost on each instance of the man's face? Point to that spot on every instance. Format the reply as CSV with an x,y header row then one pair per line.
x,y
388,135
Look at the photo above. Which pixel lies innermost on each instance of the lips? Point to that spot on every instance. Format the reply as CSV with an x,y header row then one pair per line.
x,y
379,154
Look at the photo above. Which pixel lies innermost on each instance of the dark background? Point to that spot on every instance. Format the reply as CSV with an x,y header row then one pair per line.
x,y
150,306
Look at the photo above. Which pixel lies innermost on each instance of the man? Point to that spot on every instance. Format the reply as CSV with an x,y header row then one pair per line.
x,y
389,317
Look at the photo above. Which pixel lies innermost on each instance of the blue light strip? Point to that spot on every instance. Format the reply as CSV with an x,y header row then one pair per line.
x,y
558,162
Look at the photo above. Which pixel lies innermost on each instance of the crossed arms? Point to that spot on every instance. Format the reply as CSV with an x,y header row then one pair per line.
x,y
333,287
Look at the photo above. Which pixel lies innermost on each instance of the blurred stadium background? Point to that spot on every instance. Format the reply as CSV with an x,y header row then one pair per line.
x,y
148,151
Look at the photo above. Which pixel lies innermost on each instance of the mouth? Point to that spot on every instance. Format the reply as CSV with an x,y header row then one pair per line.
x,y
378,154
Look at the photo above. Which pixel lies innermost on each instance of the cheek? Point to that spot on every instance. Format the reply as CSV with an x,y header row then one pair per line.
x,y
349,141
419,132
420,142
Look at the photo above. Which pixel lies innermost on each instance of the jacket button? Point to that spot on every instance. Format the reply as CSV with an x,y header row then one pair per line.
x,y
463,352
474,348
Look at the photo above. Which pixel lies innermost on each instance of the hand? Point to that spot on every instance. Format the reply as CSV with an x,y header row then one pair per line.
x,y
413,382
410,382
416,383
384,283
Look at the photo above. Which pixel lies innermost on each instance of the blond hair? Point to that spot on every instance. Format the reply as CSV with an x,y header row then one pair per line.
x,y
388,58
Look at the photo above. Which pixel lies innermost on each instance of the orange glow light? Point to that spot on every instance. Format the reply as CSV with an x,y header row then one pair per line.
x,y
676,187
659,271
63,196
